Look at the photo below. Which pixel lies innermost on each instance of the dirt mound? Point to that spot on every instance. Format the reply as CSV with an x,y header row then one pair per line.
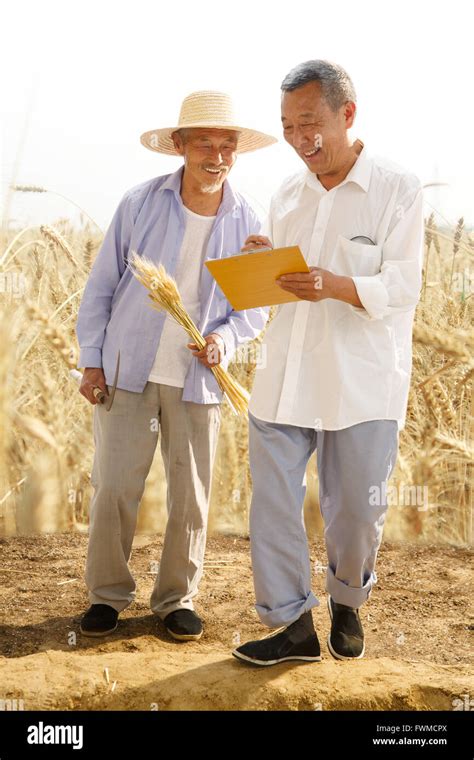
x,y
418,625
199,678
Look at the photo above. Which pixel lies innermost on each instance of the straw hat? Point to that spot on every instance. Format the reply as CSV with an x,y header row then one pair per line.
x,y
211,109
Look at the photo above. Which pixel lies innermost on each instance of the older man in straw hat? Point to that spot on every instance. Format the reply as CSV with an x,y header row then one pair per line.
x,y
178,220
337,374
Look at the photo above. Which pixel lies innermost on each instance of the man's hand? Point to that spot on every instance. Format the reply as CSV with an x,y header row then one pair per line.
x,y
320,283
310,286
212,353
93,377
256,242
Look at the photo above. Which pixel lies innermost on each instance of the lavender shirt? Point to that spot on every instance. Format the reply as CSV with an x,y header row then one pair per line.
x,y
115,311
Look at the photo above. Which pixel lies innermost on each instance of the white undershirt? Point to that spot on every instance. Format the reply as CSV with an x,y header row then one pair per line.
x,y
173,357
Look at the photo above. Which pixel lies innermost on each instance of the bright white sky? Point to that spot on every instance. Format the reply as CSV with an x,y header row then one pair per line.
x,y
94,75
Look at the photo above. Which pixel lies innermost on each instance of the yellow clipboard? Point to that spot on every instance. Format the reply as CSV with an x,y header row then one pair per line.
x,y
248,279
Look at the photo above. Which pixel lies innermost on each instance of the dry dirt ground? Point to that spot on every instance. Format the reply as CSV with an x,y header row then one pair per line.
x,y
419,625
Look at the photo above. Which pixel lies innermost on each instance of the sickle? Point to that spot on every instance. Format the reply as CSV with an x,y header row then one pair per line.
x,y
110,400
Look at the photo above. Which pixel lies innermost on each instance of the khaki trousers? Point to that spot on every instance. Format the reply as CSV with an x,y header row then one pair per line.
x,y
125,442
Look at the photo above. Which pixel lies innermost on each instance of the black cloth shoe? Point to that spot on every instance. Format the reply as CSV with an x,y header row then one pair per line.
x,y
99,620
346,640
297,641
183,625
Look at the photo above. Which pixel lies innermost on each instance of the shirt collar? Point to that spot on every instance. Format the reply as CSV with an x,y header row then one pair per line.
x,y
229,199
360,173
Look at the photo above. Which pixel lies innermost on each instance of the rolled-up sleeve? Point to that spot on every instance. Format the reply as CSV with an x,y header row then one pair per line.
x,y
397,287
241,327
107,270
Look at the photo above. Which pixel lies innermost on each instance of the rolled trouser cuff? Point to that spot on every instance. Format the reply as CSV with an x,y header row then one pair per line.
x,y
351,596
288,613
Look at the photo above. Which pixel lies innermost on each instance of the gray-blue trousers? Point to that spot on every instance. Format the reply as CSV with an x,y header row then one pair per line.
x,y
353,464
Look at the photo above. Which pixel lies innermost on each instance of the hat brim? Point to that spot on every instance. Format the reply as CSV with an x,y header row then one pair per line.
x,y
160,141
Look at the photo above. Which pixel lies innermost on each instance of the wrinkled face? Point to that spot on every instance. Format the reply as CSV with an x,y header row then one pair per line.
x,y
209,155
316,132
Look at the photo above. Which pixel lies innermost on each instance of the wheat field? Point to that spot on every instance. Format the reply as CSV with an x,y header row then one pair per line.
x,y
46,441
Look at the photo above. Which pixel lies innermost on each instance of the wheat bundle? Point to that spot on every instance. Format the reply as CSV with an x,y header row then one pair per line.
x,y
165,296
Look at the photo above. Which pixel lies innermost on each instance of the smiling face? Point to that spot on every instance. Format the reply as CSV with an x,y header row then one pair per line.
x,y
209,155
316,132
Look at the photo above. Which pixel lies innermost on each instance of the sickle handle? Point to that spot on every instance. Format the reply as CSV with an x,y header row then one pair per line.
x,y
99,394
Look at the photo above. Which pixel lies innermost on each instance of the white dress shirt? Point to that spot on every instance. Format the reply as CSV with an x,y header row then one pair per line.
x,y
173,357
330,364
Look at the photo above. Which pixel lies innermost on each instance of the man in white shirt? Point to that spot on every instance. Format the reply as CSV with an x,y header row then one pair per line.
x,y
338,367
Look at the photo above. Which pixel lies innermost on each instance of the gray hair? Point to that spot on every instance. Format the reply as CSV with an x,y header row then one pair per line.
x,y
183,132
336,85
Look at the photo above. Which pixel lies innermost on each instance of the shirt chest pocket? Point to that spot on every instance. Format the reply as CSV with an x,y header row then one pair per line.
x,y
356,259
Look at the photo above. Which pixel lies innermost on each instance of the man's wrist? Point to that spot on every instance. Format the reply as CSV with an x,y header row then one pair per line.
x,y
343,288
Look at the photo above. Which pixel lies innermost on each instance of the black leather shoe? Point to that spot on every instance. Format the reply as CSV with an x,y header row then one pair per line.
x,y
99,620
297,641
346,640
183,625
